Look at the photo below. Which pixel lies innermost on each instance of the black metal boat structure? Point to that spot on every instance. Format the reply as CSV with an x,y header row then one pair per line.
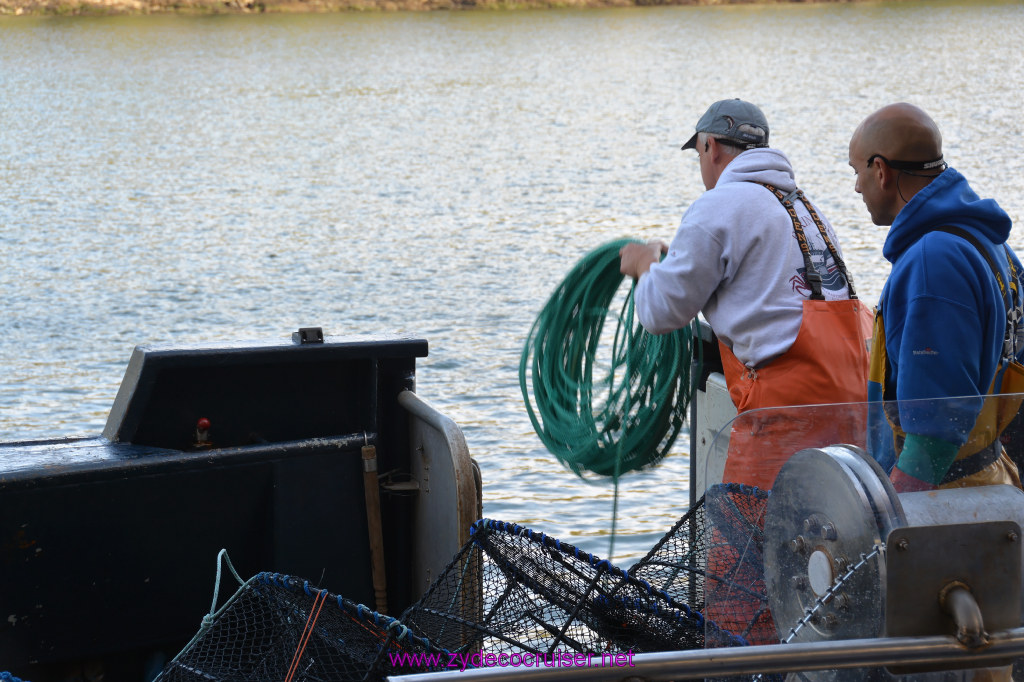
x,y
313,456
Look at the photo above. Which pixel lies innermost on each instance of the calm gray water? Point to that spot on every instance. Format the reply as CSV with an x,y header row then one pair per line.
x,y
177,179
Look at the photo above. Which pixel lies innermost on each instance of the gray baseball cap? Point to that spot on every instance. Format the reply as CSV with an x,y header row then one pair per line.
x,y
737,121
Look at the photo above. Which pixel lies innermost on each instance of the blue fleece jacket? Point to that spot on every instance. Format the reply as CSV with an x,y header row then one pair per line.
x,y
944,316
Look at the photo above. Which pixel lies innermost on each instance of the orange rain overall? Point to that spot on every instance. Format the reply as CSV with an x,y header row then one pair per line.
x,y
827,363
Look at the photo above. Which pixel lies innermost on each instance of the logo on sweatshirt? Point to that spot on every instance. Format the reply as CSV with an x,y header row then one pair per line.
x,y
926,351
831,276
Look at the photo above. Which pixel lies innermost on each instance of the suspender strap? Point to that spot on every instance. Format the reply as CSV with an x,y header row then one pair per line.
x,y
1009,291
812,276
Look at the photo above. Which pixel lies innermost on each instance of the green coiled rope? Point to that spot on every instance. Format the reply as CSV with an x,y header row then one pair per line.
x,y
629,415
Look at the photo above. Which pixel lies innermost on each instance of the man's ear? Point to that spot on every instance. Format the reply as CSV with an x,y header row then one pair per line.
x,y
715,150
886,175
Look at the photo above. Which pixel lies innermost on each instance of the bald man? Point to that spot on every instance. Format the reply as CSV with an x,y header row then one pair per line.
x,y
941,321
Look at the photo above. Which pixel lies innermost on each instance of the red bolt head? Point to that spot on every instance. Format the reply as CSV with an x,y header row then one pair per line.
x,y
203,424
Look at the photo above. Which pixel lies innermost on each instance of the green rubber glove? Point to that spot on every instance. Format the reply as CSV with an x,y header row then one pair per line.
x,y
926,459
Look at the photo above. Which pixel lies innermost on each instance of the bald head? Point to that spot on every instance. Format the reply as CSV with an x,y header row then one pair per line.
x,y
899,132
895,153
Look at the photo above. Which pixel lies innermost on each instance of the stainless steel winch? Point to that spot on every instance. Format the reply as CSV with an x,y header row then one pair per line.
x,y
846,557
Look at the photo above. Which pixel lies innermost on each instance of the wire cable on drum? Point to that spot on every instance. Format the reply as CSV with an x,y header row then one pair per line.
x,y
598,410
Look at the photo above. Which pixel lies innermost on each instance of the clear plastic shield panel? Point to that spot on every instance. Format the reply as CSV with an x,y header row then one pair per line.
x,y
796,527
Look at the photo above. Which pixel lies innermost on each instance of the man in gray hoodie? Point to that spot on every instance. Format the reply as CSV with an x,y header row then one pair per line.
x,y
764,266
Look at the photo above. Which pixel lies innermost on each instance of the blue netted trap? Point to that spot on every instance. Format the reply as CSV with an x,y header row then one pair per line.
x,y
511,589
279,627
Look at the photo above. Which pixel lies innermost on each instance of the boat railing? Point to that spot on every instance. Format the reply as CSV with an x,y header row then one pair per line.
x,y
943,651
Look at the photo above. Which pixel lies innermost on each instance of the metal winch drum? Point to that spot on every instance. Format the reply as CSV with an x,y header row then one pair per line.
x,y
846,557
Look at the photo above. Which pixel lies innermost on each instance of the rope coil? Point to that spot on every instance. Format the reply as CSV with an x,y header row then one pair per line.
x,y
628,417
